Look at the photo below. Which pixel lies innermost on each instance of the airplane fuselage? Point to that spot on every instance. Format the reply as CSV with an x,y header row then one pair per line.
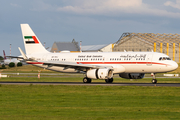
x,y
120,62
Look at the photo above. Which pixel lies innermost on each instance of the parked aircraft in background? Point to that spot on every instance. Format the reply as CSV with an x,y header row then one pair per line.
x,y
96,65
9,60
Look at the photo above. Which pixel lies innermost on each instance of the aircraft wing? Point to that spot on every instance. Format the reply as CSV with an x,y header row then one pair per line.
x,y
66,65
14,57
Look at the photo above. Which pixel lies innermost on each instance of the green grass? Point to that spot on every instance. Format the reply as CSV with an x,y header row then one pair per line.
x,y
25,68
62,102
88,102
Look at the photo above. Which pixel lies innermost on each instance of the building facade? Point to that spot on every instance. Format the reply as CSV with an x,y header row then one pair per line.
x,y
164,43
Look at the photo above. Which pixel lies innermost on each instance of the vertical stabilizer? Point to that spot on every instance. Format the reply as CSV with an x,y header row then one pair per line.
x,y
4,54
31,42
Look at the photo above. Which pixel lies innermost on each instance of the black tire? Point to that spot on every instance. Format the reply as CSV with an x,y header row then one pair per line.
x,y
109,80
154,81
89,80
112,80
86,80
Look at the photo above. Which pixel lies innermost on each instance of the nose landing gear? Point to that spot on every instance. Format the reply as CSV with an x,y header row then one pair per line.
x,y
154,81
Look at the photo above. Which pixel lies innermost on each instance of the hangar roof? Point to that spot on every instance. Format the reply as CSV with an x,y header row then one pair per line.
x,y
151,38
61,46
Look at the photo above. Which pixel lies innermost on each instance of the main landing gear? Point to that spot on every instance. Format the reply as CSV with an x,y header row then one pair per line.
x,y
154,81
86,80
109,80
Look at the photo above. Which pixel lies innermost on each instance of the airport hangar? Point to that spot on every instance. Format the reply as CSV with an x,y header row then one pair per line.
x,y
137,42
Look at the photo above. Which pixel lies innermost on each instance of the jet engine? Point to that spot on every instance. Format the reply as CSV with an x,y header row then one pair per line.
x,y
99,74
132,75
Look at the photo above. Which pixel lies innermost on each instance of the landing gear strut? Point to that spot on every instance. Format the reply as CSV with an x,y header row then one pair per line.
x,y
154,81
109,80
86,80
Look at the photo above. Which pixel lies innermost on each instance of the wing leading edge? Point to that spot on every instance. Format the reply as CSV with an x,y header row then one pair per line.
x,y
66,65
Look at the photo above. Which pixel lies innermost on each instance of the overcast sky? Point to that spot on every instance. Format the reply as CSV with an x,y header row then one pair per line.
x,y
90,21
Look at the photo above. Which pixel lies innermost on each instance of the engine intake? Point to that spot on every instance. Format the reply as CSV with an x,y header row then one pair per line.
x,y
99,73
132,75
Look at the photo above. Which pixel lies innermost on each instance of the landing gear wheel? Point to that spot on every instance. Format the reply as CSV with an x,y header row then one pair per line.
x,y
154,81
109,80
89,80
86,80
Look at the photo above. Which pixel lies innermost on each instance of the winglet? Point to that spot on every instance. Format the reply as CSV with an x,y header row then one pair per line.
x,y
22,53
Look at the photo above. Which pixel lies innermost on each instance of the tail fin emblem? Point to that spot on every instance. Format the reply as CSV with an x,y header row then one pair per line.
x,y
31,39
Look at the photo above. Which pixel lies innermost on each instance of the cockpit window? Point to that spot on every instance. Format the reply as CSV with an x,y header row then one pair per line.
x,y
164,58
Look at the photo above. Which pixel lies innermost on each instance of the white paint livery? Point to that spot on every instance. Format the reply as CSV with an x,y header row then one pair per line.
x,y
96,65
8,61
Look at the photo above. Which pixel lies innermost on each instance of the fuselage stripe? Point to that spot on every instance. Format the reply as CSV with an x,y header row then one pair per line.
x,y
35,62
131,63
121,63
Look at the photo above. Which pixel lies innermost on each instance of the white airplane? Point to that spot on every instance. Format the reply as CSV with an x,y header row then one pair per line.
x,y
96,65
7,61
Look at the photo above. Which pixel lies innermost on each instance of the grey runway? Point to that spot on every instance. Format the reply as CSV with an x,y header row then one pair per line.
x,y
91,84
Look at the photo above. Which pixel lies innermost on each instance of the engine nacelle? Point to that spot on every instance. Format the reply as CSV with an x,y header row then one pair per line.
x,y
99,73
132,75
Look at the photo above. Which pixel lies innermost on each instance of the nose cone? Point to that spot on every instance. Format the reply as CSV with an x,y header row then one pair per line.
x,y
174,66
